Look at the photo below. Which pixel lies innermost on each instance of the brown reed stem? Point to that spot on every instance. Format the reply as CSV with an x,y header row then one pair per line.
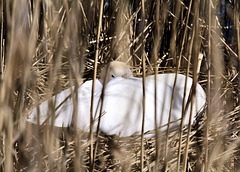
x,y
143,84
155,55
93,86
173,54
185,87
208,86
195,77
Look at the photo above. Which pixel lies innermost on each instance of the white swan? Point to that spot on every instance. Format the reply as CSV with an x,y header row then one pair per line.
x,y
122,102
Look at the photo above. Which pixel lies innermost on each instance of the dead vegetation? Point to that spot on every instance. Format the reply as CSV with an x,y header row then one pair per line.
x,y
48,46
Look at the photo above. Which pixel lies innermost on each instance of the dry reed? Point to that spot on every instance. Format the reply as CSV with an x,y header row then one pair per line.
x,y
48,46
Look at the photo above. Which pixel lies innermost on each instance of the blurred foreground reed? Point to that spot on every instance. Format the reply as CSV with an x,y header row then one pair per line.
x,y
48,46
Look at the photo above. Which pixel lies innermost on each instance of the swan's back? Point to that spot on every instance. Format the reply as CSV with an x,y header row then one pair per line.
x,y
123,104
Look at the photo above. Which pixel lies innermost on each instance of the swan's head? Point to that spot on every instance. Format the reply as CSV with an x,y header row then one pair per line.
x,y
115,69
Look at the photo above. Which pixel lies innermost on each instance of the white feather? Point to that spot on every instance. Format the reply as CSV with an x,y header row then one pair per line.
x,y
123,104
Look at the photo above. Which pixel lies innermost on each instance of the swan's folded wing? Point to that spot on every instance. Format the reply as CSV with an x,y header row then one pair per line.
x,y
63,110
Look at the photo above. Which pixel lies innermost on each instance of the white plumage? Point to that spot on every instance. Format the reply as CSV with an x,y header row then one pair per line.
x,y
123,102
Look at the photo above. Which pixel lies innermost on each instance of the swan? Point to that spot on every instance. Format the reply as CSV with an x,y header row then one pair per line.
x,y
122,104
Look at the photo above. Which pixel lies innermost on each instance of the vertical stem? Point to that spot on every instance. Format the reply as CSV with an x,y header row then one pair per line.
x,y
208,85
173,54
143,82
161,6
184,96
236,17
195,50
156,49
2,36
236,14
174,32
1,41
93,87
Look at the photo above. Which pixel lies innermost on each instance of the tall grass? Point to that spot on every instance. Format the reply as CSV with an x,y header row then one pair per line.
x,y
48,46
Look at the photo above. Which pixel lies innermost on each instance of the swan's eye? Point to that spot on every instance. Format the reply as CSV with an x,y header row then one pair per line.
x,y
113,76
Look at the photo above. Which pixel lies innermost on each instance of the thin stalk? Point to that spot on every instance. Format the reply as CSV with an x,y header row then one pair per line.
x,y
100,114
187,105
185,87
1,41
236,16
195,51
93,86
156,49
174,32
208,86
143,83
189,127
173,53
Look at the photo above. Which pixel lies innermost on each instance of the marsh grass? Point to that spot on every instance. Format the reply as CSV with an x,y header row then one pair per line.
x,y
48,46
